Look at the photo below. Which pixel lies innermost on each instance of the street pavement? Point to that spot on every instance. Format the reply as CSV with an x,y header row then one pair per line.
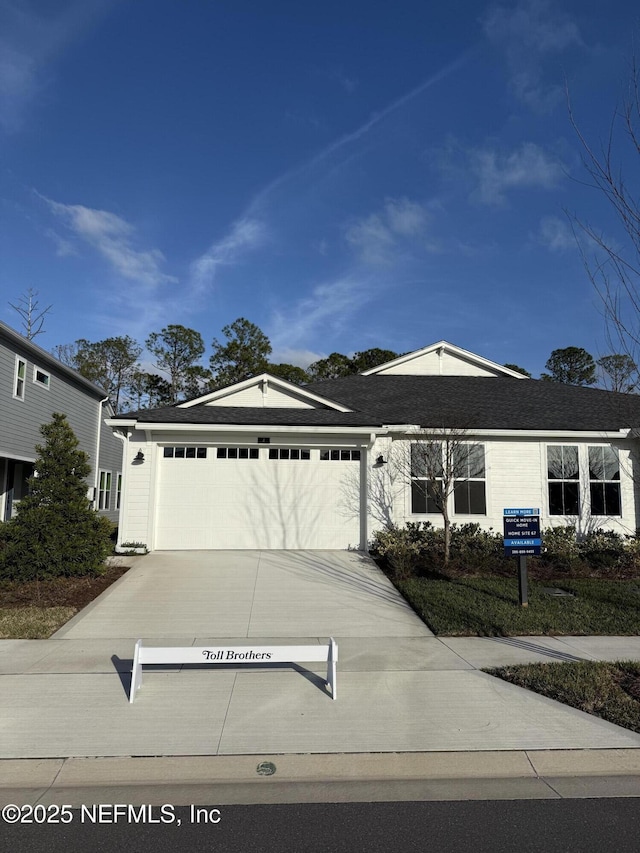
x,y
417,702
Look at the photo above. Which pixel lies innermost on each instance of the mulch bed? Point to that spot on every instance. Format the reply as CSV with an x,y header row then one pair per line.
x,y
58,592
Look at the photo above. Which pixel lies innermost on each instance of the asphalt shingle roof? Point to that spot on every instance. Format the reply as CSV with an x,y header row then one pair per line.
x,y
484,402
463,402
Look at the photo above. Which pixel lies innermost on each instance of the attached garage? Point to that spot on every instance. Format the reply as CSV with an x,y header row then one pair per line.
x,y
257,497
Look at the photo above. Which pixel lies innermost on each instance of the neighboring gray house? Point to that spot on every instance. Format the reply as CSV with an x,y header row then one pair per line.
x,y
34,385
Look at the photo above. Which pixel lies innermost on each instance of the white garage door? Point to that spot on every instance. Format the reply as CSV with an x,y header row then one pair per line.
x,y
239,497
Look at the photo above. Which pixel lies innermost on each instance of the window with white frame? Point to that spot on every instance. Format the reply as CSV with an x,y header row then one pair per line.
x,y
604,480
563,474
469,493
19,378
430,469
118,490
41,377
426,476
104,490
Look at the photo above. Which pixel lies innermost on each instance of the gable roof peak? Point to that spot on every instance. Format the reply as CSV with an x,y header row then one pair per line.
x,y
254,392
442,359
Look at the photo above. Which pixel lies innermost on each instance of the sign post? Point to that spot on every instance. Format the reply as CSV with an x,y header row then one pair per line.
x,y
522,540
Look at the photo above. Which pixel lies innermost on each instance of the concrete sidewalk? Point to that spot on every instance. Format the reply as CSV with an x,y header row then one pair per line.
x,y
68,698
401,691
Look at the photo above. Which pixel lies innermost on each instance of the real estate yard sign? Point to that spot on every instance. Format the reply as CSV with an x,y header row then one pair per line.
x,y
522,539
522,532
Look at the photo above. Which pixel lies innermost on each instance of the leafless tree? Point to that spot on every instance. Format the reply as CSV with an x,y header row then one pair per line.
x,y
612,264
440,465
32,317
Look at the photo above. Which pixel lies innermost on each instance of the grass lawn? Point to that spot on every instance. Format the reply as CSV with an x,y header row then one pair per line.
x,y
35,610
488,606
607,690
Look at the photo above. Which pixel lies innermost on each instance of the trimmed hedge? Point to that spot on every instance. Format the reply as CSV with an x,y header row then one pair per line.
x,y
418,549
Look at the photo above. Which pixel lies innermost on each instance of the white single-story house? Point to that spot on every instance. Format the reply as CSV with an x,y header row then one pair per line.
x,y
268,464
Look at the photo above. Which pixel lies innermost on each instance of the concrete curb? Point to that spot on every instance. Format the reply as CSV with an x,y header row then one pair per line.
x,y
322,778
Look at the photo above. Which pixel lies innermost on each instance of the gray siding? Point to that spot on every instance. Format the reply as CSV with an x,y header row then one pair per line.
x,y
21,419
110,459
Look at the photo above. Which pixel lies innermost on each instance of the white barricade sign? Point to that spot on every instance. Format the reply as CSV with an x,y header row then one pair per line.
x,y
233,655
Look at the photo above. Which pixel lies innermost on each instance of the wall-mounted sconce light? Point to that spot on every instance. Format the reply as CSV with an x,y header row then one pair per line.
x,y
381,460
139,457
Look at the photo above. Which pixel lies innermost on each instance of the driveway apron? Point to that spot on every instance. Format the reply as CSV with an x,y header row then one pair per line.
x,y
399,688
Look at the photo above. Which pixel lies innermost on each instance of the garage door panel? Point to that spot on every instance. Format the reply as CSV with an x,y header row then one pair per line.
x,y
257,504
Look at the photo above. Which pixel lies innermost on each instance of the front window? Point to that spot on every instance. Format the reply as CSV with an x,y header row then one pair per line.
x,y
434,463
469,496
426,476
563,474
104,490
604,481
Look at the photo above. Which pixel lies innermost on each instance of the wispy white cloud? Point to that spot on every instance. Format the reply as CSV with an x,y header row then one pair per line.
x,y
328,309
64,248
496,173
527,32
556,234
290,355
112,237
377,237
245,235
356,135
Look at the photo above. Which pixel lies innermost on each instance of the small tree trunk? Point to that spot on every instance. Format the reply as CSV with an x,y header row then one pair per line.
x,y
447,536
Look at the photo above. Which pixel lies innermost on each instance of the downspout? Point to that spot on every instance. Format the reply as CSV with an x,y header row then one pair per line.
x,y
124,438
97,468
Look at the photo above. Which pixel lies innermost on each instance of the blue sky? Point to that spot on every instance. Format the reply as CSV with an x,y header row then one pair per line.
x,y
344,175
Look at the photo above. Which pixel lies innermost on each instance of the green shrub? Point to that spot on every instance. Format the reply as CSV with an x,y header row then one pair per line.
x,y
55,531
418,549
603,549
476,550
561,548
400,548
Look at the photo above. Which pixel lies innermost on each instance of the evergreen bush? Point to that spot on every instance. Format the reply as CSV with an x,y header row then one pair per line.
x,y
55,531
418,549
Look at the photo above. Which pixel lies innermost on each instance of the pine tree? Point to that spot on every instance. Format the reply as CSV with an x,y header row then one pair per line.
x,y
55,530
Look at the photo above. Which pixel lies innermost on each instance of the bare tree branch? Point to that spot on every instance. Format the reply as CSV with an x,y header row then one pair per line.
x,y
32,318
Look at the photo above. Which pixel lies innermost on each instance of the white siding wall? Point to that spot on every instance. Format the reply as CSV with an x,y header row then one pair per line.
x,y
255,397
432,364
137,492
516,476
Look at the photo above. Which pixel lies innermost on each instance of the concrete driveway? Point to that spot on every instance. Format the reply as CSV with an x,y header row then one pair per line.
x,y
249,594
400,689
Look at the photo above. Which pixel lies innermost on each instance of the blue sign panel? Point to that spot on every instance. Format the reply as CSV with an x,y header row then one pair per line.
x,y
522,532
